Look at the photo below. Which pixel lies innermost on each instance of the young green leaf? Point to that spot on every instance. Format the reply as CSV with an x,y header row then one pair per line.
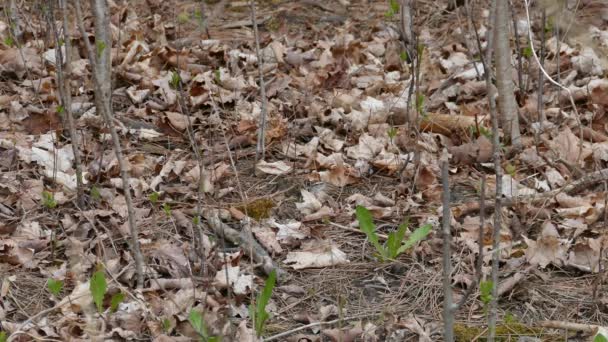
x,y
600,338
366,224
98,287
101,46
167,209
9,41
153,197
527,51
166,323
95,193
196,320
54,286
485,292
117,298
393,244
403,56
417,236
48,200
259,313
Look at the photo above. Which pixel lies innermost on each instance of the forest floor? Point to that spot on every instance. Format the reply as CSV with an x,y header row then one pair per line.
x,y
339,135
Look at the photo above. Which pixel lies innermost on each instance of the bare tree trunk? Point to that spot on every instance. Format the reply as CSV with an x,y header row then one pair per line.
x,y
504,79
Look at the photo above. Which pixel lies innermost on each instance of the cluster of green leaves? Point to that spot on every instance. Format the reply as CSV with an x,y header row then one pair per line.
x,y
198,323
393,8
258,312
485,292
395,244
48,200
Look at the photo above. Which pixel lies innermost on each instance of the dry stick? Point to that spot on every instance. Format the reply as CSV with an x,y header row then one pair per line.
x,y
542,69
448,304
312,325
63,81
541,78
497,156
260,151
520,68
101,65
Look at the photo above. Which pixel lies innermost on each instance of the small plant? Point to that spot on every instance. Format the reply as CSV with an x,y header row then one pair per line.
x,y
175,80
485,292
218,76
394,245
3,336
183,18
527,52
420,104
258,313
196,220
9,41
101,46
54,286
48,200
117,298
95,193
600,338
153,197
98,287
198,323
403,56
167,209
392,133
166,324
393,8
510,169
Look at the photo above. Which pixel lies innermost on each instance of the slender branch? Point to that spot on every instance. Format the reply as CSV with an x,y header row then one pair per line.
x,y
448,305
260,152
100,60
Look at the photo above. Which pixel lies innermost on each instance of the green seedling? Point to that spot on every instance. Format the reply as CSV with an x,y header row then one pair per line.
x,y
392,133
198,323
3,336
9,41
101,46
218,76
95,193
403,56
527,52
196,220
395,244
167,209
420,104
48,200
153,197
98,287
392,9
166,324
485,292
54,286
510,169
117,298
258,313
183,18
600,338
175,80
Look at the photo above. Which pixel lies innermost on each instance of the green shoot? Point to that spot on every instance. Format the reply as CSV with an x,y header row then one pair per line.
x,y
183,18
101,46
54,286
527,52
403,56
485,289
117,298
175,80
9,41
3,336
420,104
392,9
395,244
392,133
48,200
258,313
198,323
95,193
98,287
153,197
600,338
167,209
166,324
196,220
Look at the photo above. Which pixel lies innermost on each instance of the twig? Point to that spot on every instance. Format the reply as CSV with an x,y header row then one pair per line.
x,y
260,151
101,65
312,325
448,305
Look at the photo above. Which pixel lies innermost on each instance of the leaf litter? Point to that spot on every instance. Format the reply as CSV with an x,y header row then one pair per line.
x,y
337,138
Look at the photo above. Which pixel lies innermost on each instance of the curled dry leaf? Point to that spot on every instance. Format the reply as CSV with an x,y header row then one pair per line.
x,y
315,254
